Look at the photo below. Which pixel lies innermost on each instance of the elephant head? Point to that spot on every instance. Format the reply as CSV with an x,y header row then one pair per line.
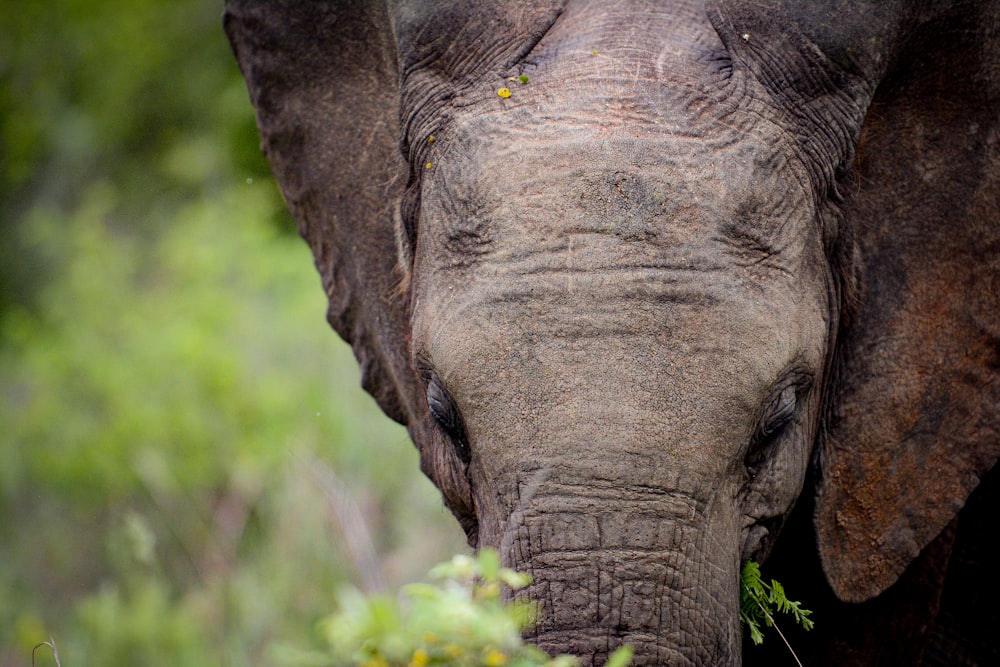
x,y
635,274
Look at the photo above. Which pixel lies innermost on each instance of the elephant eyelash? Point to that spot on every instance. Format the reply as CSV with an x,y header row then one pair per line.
x,y
780,413
443,409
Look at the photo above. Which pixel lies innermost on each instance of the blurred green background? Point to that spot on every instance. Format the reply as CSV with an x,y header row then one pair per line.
x,y
184,449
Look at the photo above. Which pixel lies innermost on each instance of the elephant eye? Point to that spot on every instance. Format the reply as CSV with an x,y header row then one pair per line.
x,y
779,414
441,406
446,415
782,410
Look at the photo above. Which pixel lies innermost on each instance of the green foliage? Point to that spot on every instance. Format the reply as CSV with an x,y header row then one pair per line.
x,y
141,95
460,621
165,410
173,402
760,601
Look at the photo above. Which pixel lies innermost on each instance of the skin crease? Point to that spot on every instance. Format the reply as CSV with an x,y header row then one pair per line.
x,y
688,285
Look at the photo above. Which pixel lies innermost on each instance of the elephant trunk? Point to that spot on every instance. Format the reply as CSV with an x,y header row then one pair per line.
x,y
614,565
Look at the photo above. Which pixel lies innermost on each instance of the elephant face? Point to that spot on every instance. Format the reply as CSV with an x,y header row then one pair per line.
x,y
627,358
615,307
561,328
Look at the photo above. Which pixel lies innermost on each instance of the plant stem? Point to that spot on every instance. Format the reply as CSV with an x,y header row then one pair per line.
x,y
780,634
52,645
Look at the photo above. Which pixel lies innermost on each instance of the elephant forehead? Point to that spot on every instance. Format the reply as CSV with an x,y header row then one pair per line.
x,y
616,203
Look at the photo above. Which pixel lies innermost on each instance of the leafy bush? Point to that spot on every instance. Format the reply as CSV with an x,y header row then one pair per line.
x,y
167,411
460,621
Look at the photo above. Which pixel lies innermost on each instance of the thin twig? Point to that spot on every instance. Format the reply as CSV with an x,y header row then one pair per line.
x,y
52,645
349,520
780,633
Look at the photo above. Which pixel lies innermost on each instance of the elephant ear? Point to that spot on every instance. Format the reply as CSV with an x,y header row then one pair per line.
x,y
913,411
322,77
324,80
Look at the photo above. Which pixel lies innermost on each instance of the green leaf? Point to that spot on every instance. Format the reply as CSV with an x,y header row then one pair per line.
x,y
756,636
515,580
621,657
488,564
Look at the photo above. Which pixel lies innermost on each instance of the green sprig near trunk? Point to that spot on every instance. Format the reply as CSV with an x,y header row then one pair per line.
x,y
760,601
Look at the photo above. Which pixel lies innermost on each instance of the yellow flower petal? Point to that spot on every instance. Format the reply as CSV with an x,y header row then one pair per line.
x,y
494,658
504,93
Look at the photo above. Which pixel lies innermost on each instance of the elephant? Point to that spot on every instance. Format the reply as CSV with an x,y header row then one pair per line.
x,y
660,287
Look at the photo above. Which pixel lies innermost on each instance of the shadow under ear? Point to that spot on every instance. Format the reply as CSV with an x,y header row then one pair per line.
x,y
941,611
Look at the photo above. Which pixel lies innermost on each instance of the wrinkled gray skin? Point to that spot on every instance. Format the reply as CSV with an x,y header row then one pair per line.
x,y
709,256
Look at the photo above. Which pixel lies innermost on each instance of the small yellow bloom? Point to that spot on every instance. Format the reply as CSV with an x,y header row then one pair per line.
x,y
453,652
494,658
594,52
504,93
490,591
429,165
419,658
430,139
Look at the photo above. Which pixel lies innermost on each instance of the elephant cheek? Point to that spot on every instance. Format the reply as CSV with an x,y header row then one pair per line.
x,y
651,570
